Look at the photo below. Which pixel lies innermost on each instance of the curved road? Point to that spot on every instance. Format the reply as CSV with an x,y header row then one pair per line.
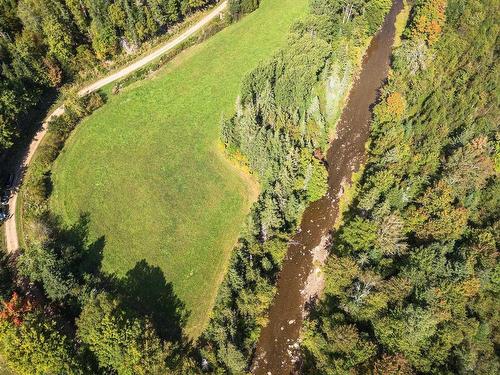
x,y
10,224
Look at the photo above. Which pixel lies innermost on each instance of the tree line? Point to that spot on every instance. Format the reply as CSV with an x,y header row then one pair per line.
x,y
412,279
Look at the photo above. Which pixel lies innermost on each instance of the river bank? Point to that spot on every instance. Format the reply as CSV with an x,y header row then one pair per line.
x,y
278,347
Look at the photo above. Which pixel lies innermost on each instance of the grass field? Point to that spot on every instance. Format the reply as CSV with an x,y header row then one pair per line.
x,y
147,167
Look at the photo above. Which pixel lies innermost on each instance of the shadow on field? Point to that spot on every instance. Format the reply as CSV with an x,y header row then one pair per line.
x,y
145,292
142,293
72,244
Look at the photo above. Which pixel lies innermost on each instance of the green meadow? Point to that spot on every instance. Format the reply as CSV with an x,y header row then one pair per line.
x,y
148,169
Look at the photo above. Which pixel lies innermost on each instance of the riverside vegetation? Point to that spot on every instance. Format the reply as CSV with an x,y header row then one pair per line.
x,y
413,279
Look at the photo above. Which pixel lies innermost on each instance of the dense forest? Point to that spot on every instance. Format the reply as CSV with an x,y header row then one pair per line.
x,y
413,279
285,115
45,43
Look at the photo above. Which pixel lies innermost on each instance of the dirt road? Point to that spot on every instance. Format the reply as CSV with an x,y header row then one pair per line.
x,y
11,235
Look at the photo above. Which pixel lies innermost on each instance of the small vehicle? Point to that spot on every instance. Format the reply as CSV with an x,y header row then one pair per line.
x,y
4,199
3,215
10,181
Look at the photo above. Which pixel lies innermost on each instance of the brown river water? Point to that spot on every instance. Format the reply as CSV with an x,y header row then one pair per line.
x,y
277,351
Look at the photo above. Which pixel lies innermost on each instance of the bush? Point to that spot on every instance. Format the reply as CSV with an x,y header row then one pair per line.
x,y
238,8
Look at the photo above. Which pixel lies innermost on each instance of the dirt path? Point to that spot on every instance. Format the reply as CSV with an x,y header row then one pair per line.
x,y
11,236
278,348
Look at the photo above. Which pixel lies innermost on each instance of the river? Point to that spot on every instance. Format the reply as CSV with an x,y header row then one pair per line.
x,y
277,350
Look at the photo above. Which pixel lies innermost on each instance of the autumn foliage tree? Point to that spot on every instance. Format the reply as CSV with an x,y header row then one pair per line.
x,y
392,108
15,309
428,19
32,343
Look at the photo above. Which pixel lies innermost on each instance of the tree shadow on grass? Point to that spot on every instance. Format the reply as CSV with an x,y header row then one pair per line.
x,y
83,258
145,292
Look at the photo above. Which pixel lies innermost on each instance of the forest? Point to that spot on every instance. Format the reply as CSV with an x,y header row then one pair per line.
x,y
412,278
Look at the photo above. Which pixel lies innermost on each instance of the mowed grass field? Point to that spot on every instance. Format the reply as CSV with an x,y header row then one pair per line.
x,y
148,170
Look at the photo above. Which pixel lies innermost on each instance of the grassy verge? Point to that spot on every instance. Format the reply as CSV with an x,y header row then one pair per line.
x,y
123,59
147,169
